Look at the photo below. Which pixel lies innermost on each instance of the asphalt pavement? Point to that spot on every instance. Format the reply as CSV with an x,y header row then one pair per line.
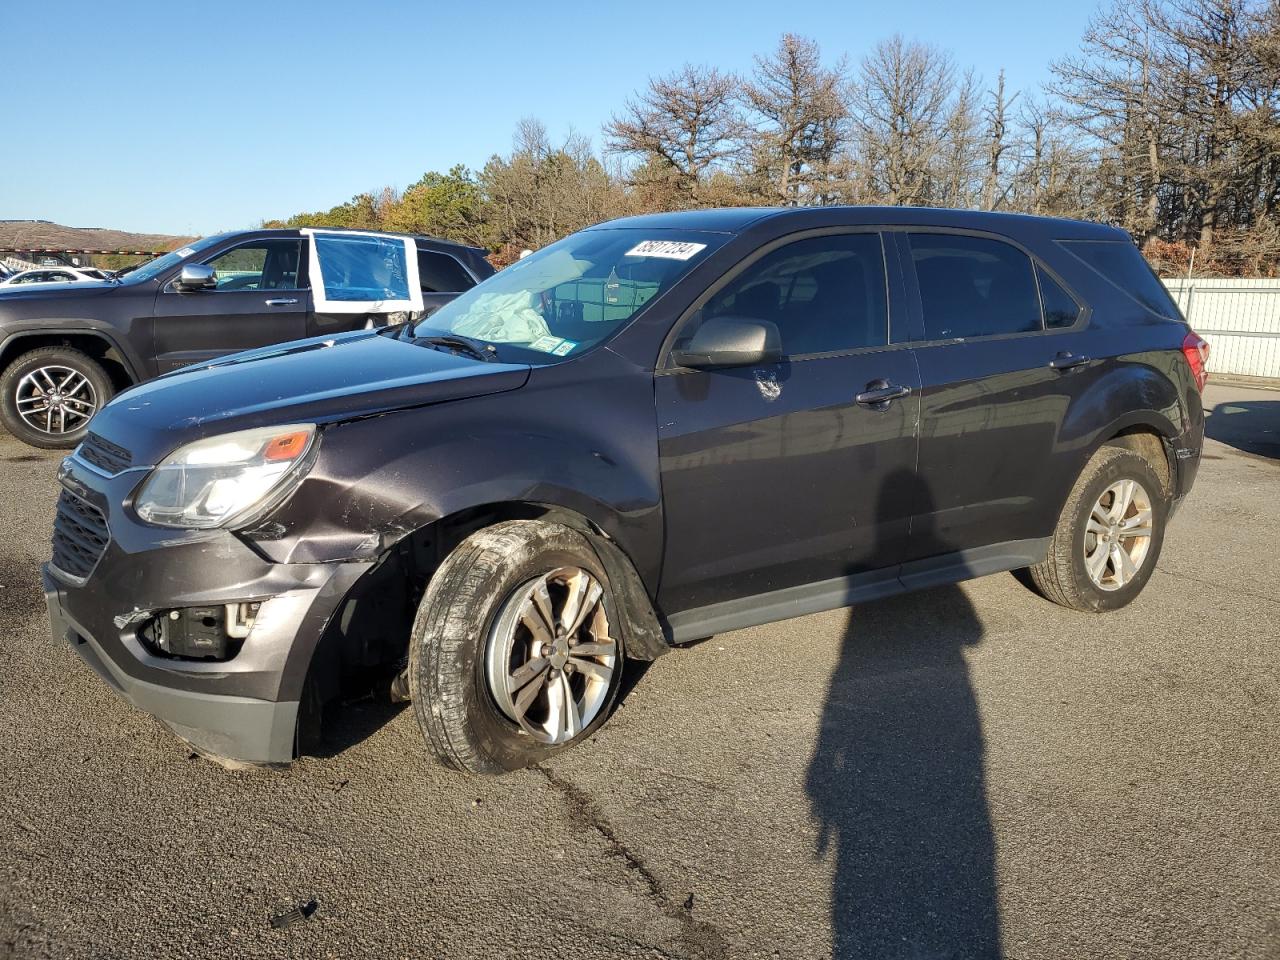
x,y
965,772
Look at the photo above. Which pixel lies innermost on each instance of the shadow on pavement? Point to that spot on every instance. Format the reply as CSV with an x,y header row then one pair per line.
x,y
897,781
1249,425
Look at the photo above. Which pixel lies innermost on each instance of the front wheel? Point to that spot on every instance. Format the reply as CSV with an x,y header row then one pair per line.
x,y
1109,536
48,396
514,655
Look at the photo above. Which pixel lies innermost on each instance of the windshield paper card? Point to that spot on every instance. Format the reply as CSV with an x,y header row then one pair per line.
x,y
666,249
184,252
558,346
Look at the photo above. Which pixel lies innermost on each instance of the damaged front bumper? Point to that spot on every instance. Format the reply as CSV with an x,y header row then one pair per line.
x,y
240,707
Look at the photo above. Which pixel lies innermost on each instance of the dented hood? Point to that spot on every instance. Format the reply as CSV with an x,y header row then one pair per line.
x,y
309,381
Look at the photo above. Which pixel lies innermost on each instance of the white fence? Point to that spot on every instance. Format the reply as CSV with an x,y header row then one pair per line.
x,y
1239,318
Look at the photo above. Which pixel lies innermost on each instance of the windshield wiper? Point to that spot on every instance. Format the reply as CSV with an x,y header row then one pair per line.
x,y
468,345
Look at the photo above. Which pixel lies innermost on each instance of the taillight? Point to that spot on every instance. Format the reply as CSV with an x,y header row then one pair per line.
x,y
1196,350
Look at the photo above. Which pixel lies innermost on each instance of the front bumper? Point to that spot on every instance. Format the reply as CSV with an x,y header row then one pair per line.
x,y
224,726
244,708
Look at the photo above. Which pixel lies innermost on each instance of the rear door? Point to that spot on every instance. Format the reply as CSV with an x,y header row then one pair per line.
x,y
776,476
1001,355
361,279
260,298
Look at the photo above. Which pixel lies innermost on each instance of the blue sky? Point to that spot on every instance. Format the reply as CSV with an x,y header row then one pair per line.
x,y
186,118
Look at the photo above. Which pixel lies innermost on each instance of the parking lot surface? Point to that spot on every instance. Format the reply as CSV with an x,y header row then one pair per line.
x,y
966,772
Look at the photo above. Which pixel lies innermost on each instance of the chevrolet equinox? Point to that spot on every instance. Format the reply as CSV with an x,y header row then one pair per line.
x,y
655,430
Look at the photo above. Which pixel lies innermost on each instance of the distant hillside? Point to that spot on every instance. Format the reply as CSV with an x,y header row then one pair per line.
x,y
40,234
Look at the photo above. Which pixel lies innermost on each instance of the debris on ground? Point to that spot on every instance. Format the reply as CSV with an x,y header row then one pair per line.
x,y
291,917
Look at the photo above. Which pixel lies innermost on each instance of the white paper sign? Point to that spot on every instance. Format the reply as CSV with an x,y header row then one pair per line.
x,y
666,249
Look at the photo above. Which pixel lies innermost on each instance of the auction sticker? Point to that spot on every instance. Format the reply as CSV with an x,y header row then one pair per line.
x,y
557,346
666,249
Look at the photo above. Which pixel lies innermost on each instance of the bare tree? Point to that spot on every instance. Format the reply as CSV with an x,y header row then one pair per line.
x,y
900,103
682,128
1109,92
996,115
802,121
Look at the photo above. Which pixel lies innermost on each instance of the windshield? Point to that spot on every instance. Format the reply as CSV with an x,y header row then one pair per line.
x,y
153,268
571,295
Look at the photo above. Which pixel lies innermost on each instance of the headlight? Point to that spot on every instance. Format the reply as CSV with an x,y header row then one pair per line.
x,y
217,480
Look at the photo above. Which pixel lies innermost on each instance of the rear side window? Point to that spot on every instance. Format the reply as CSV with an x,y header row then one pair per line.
x,y
974,286
440,273
1060,308
1121,263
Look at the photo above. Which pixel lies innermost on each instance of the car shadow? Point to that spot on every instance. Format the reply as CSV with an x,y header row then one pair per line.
x,y
897,781
1252,426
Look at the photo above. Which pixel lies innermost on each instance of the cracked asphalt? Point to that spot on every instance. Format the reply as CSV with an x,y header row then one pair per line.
x,y
965,772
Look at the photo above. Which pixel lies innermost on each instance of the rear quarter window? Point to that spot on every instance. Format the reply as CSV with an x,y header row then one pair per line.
x,y
1121,263
441,273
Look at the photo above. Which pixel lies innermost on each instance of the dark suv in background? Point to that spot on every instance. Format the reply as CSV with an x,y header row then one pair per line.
x,y
65,349
653,431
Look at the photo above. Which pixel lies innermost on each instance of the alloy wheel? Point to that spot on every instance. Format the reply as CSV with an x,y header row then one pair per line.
x,y
55,399
550,659
1117,535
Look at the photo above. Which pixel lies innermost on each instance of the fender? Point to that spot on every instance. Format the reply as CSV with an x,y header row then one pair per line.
x,y
380,478
1128,392
42,329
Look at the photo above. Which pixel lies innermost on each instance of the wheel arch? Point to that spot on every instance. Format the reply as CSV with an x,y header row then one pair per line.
x,y
371,623
98,345
644,637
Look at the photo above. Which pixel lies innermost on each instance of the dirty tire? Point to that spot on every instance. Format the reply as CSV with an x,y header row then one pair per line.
x,y
1061,576
456,711
63,357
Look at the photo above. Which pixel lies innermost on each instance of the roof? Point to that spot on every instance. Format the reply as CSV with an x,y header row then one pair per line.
x,y
297,231
737,219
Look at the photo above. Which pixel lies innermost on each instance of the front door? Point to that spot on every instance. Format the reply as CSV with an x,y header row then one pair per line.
x,y
777,476
259,299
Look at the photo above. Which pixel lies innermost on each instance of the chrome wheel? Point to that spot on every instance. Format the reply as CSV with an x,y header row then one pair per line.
x,y
55,399
1117,535
550,659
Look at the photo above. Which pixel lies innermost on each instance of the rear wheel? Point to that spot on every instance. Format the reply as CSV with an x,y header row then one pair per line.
x,y
1109,536
48,396
513,655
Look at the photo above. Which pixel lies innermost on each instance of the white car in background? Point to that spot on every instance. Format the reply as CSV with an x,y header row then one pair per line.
x,y
55,275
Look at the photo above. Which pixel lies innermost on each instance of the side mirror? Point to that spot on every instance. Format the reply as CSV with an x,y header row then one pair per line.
x,y
730,342
197,276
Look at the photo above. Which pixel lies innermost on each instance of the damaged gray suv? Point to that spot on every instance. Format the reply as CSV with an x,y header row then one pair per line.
x,y
653,431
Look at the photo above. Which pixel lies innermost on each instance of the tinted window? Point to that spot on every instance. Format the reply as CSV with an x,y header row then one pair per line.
x,y
974,287
1121,263
440,273
265,265
825,294
1060,308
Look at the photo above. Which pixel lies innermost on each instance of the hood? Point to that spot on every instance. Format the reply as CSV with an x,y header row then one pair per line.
x,y
54,291
320,380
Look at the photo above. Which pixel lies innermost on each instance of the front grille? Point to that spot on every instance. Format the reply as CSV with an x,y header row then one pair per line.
x,y
105,455
80,536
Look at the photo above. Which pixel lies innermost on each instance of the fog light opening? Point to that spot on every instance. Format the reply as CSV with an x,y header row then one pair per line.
x,y
200,633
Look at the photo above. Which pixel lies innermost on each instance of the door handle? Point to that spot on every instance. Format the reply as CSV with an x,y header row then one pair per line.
x,y
1068,361
880,393
281,301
